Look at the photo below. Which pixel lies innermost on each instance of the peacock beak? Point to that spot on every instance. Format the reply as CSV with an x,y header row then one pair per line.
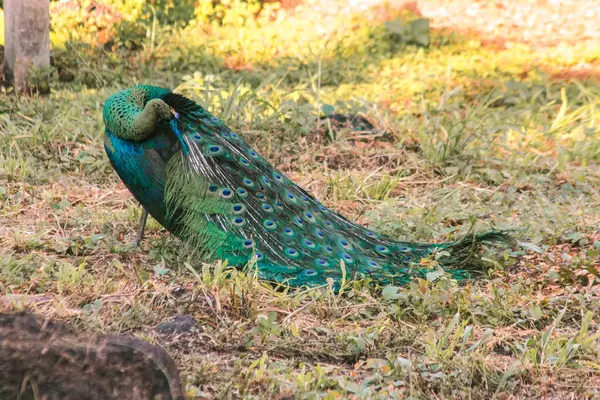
x,y
175,113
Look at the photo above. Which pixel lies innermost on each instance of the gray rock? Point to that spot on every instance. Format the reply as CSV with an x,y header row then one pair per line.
x,y
41,359
177,324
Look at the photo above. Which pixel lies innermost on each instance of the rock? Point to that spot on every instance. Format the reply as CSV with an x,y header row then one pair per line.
x,y
42,359
177,324
353,121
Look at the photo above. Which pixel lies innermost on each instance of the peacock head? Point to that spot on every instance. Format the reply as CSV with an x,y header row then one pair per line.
x,y
160,109
134,114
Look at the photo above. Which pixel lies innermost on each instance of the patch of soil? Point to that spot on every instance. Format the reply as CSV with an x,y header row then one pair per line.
x,y
539,23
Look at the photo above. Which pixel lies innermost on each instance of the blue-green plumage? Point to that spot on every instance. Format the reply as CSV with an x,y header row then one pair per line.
x,y
141,166
206,185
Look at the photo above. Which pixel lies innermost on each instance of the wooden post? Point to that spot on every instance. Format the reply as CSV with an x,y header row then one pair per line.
x,y
26,38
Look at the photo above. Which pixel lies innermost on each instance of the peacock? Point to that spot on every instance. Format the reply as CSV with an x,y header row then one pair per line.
x,y
207,186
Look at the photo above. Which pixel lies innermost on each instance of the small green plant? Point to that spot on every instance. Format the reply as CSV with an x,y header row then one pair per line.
x,y
39,80
69,277
266,325
449,133
558,351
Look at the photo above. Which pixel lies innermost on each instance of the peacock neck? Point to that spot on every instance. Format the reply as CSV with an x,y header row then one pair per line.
x,y
144,123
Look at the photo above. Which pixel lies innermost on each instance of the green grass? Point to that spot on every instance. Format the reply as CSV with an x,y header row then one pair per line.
x,y
467,134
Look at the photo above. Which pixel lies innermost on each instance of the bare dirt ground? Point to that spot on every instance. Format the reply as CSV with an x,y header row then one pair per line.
x,y
539,23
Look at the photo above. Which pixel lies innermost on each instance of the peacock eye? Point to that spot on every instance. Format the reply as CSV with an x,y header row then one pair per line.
x,y
226,193
292,252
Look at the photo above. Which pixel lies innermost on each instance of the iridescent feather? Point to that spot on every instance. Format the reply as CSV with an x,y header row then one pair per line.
x,y
225,200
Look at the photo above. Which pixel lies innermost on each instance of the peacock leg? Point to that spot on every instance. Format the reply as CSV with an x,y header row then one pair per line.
x,y
140,233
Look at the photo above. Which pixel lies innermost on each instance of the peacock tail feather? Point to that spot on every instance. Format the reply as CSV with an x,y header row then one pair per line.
x,y
227,202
